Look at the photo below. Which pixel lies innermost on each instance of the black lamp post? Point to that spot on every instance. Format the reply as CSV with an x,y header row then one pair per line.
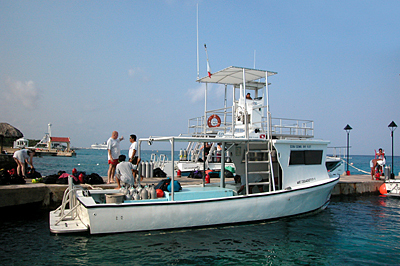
x,y
348,128
392,126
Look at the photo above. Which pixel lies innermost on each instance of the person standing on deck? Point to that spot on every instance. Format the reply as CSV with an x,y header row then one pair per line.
x,y
114,151
133,158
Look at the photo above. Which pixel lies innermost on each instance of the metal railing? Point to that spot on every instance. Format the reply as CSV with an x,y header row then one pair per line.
x,y
279,127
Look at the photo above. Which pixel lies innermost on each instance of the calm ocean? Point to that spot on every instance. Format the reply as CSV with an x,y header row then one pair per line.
x,y
361,230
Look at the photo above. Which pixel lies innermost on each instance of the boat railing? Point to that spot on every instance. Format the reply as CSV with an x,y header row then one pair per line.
x,y
196,125
280,127
337,151
285,127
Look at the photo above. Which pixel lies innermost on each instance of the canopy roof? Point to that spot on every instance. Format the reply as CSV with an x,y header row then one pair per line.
x,y
8,131
59,139
234,75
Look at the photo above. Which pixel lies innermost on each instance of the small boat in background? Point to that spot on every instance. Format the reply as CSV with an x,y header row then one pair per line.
x,y
97,146
49,146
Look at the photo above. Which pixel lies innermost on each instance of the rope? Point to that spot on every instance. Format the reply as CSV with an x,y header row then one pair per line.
x,y
358,169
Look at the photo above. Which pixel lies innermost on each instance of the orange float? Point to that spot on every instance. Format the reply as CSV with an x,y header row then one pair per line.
x,y
214,117
382,189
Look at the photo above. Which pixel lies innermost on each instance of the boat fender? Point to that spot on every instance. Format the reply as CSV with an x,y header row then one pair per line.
x,y
214,117
382,189
160,193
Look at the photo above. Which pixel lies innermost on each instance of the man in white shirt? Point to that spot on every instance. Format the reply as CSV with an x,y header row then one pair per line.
x,y
114,151
133,158
125,172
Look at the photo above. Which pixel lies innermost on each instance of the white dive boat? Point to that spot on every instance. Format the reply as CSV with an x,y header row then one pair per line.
x,y
97,146
276,156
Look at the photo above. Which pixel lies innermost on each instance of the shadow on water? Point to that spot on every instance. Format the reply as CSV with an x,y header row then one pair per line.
x,y
352,231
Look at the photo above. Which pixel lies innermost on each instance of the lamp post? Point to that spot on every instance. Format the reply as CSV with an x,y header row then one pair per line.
x,y
348,128
392,126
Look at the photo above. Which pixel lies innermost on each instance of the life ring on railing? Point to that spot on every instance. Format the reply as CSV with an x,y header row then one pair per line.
x,y
211,118
262,136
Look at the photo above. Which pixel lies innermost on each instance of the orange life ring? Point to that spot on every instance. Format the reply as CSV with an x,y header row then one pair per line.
x,y
211,118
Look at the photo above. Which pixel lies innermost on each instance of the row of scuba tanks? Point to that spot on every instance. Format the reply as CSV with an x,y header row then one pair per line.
x,y
147,169
140,193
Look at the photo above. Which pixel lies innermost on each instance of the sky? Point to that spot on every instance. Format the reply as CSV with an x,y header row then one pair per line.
x,y
91,67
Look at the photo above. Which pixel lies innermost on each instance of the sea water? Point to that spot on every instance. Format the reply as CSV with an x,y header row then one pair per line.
x,y
361,230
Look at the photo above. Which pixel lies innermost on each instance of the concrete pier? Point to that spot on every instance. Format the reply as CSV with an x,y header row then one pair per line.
x,y
49,196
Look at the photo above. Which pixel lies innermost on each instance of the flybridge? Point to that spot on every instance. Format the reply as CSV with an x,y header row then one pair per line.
x,y
246,117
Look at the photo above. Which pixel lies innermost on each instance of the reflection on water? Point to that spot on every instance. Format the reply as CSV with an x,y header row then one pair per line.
x,y
352,231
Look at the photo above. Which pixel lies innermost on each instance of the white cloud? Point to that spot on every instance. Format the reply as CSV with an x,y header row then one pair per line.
x,y
213,90
138,73
21,92
196,94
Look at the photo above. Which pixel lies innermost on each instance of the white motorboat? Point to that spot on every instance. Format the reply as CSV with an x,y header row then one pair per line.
x,y
96,146
282,167
334,165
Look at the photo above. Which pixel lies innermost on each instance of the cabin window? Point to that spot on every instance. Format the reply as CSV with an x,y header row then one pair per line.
x,y
307,157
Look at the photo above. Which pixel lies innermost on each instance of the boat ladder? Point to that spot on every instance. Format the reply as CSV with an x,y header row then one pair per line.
x,y
259,162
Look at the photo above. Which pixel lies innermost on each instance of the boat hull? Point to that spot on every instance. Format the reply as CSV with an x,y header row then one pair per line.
x,y
128,217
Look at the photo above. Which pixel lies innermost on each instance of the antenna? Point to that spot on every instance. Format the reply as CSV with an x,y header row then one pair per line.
x,y
254,59
197,25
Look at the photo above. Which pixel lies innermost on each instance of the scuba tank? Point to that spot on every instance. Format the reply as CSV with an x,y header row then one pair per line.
x,y
181,155
227,157
152,192
151,166
143,172
144,194
136,196
147,169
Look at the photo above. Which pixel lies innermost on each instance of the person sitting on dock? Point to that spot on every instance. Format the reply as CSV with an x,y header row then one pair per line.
x,y
21,157
379,160
125,172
